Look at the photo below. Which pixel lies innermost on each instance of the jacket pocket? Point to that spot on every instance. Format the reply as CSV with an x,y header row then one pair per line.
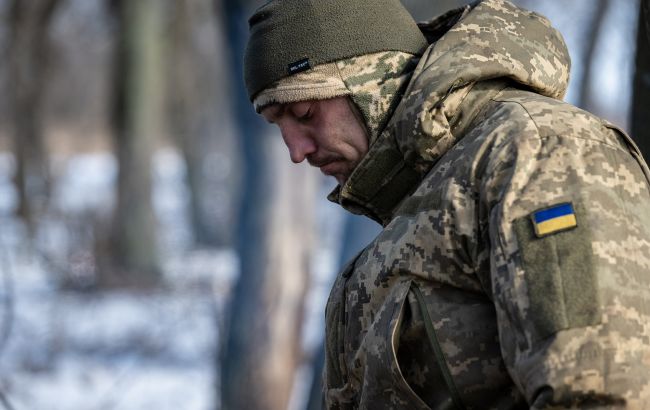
x,y
402,394
448,396
375,381
407,353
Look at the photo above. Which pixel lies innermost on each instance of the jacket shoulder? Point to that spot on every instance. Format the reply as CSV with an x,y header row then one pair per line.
x,y
549,117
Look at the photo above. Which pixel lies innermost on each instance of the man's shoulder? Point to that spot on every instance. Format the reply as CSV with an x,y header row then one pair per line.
x,y
548,117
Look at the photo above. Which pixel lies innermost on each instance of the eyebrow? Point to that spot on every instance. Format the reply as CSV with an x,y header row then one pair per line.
x,y
277,111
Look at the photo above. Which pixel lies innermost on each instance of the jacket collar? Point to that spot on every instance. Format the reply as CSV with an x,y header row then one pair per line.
x,y
475,52
386,175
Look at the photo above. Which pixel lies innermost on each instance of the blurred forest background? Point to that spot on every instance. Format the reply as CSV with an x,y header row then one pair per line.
x,y
157,247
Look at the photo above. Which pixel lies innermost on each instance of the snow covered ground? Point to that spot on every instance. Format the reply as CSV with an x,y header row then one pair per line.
x,y
121,350
70,350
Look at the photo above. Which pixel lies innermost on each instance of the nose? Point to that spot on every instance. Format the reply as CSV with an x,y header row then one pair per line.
x,y
298,142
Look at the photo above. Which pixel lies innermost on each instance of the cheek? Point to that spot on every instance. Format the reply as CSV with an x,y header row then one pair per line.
x,y
358,139
342,134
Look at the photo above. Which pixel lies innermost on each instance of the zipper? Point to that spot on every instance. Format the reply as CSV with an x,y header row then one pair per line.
x,y
437,349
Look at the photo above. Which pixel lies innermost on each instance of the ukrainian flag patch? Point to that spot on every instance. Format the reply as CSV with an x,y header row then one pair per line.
x,y
554,219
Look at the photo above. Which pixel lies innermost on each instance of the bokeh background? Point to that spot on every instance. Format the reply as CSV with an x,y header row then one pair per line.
x,y
158,250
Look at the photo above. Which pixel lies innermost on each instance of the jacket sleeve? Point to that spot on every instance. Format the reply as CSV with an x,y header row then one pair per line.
x,y
569,228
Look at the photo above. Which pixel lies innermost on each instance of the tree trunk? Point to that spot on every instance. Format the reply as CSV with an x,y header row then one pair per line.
x,y
641,98
200,119
261,343
29,51
645,14
591,40
132,255
187,102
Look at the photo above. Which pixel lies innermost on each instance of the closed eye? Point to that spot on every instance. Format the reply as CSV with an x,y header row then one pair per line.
x,y
306,116
302,112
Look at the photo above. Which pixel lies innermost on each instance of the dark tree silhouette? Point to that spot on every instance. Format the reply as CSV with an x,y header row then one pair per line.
x,y
641,97
261,342
199,117
591,39
645,4
29,52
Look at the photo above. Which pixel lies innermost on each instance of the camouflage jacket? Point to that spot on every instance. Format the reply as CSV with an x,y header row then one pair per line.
x,y
513,270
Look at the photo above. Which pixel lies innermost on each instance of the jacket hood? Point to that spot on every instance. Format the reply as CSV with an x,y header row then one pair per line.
x,y
493,40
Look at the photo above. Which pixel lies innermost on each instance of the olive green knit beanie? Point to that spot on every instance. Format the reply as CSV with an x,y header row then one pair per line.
x,y
292,36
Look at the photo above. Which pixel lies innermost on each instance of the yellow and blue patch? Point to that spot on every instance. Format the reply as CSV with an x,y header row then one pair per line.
x,y
555,219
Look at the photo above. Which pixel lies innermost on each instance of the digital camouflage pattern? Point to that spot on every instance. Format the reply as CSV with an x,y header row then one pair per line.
x,y
376,82
457,303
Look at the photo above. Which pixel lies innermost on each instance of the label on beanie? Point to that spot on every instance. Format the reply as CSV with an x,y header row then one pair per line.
x,y
299,66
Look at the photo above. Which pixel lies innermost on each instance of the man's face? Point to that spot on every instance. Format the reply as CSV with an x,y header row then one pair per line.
x,y
327,133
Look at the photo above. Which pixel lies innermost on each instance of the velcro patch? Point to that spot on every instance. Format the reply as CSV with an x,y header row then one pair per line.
x,y
555,219
559,270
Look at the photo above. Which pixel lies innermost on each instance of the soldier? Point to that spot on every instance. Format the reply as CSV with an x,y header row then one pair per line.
x,y
513,270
